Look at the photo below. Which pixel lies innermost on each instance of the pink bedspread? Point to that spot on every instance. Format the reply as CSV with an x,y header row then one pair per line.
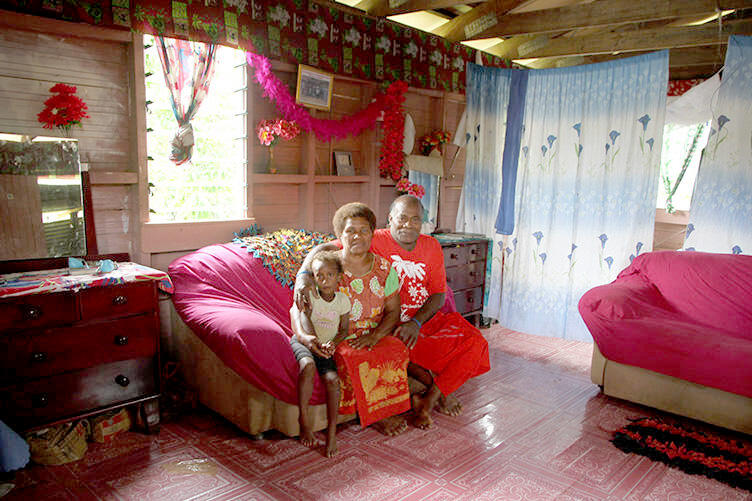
x,y
684,314
235,306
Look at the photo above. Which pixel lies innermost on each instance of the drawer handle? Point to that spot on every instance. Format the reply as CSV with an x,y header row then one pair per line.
x,y
473,274
39,356
453,256
40,400
32,312
122,380
473,251
119,300
121,340
470,300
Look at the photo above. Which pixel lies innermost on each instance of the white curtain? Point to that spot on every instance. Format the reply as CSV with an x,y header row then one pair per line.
x,y
721,213
586,188
485,126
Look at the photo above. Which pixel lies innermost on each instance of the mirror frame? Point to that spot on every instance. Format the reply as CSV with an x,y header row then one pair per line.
x,y
92,251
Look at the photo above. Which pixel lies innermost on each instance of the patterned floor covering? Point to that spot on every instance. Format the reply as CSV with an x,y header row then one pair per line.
x,y
534,427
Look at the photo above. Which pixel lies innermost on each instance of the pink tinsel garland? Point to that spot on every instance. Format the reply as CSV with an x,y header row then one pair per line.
x,y
324,129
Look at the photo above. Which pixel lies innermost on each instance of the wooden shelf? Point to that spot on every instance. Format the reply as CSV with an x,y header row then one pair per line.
x,y
341,179
104,177
280,178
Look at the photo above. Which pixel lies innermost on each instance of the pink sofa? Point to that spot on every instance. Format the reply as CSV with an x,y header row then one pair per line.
x,y
230,331
674,331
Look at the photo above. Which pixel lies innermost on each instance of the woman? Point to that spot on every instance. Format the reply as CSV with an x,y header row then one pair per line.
x,y
372,364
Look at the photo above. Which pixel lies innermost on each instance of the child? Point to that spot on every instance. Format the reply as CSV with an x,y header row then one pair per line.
x,y
330,320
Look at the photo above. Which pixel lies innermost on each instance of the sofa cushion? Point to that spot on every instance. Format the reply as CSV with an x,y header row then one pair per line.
x,y
711,289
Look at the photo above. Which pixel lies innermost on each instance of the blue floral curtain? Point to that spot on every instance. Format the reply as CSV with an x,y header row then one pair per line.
x,y
485,128
586,188
721,212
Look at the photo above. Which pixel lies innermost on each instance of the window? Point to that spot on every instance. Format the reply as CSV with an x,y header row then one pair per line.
x,y
212,186
677,146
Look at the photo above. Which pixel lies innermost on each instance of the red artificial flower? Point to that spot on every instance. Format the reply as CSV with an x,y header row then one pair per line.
x,y
64,109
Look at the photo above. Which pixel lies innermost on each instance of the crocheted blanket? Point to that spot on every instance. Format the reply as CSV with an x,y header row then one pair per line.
x,y
283,251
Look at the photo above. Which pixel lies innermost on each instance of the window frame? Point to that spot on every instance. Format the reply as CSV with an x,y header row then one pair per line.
x,y
158,237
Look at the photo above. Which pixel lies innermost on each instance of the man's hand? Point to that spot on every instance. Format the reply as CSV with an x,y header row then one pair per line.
x,y
408,332
365,341
304,286
312,343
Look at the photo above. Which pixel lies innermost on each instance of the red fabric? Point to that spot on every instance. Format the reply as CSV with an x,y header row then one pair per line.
x,y
373,381
684,314
453,349
421,270
237,308
679,87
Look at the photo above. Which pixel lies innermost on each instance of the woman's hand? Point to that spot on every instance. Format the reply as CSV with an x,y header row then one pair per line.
x,y
304,287
366,340
312,343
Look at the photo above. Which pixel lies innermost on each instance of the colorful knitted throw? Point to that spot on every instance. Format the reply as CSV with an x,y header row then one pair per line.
x,y
283,251
694,452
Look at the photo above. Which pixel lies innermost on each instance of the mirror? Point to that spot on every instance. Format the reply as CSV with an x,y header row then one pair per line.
x,y
41,198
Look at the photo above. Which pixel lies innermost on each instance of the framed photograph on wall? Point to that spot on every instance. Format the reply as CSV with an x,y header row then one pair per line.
x,y
343,163
314,88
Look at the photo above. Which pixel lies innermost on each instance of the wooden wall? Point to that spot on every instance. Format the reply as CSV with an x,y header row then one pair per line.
x,y
30,63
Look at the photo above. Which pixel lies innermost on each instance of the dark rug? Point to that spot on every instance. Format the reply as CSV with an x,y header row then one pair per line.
x,y
692,451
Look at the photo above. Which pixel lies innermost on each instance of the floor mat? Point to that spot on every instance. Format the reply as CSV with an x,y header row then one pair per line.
x,y
692,451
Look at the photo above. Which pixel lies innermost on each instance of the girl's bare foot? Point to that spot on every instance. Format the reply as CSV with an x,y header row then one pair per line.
x,y
307,438
331,445
422,412
391,426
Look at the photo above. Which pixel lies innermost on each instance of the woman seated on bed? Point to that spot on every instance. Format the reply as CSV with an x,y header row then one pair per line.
x,y
372,364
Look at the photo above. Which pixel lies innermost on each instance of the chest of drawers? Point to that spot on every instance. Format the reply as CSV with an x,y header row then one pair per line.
x,y
465,263
66,355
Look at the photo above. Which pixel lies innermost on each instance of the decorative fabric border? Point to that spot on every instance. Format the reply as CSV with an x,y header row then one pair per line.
x,y
293,31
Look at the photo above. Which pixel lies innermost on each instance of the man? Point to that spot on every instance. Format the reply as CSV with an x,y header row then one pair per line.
x,y
447,346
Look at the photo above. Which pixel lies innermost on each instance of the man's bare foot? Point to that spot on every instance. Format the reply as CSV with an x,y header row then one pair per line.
x,y
449,405
391,426
307,438
331,446
422,412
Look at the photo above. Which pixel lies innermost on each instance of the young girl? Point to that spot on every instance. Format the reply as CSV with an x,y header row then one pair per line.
x,y
330,320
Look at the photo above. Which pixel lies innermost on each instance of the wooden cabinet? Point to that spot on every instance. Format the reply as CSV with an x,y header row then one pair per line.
x,y
465,262
65,355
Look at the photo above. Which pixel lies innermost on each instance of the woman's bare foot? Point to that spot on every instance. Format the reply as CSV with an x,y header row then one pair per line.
x,y
391,426
422,412
307,437
331,445
449,405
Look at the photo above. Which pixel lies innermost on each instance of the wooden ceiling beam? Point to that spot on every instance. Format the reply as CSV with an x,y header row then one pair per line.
x,y
393,7
632,41
601,13
677,58
469,24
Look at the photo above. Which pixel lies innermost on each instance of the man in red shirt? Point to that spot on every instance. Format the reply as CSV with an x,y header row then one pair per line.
x,y
443,344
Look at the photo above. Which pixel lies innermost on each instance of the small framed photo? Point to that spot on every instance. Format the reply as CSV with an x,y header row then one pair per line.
x,y
314,88
343,163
